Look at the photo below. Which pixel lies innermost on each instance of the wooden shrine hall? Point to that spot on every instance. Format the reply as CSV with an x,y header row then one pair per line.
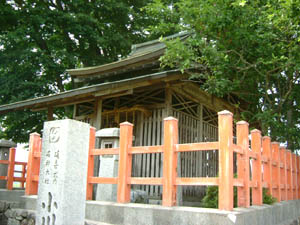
x,y
137,90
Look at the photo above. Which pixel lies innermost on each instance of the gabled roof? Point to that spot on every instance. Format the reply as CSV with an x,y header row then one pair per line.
x,y
142,55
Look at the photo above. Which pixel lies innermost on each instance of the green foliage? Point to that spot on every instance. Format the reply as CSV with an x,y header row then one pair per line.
x,y
267,198
211,198
248,49
39,40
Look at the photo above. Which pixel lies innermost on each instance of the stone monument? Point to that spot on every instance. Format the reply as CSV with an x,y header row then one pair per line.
x,y
109,138
4,155
63,173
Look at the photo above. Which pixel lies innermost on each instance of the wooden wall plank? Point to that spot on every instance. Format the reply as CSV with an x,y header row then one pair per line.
x,y
144,156
148,156
153,155
158,155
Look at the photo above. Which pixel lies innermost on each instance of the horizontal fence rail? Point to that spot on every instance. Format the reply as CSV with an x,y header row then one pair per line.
x,y
261,164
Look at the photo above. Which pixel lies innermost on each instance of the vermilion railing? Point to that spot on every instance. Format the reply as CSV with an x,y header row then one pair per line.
x,y
272,167
264,164
10,178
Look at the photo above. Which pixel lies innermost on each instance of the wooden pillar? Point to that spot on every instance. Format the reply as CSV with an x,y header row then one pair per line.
x,y
11,168
50,113
74,111
225,119
276,171
243,163
90,170
257,196
170,161
200,139
266,152
168,101
98,114
200,114
125,161
116,106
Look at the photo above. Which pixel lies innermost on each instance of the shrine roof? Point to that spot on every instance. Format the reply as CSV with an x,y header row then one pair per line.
x,y
141,55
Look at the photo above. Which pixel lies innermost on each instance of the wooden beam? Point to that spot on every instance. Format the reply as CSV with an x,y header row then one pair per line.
x,y
98,114
185,106
111,93
74,111
195,93
125,109
168,101
50,114
145,95
89,99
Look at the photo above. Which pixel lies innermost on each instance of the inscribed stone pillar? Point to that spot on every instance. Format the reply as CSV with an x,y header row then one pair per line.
x,y
63,173
4,154
109,138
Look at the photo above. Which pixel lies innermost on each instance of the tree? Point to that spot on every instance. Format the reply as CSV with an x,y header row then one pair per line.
x,y
39,40
249,49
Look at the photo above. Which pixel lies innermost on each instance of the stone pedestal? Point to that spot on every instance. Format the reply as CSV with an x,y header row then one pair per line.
x,y
4,155
63,173
108,138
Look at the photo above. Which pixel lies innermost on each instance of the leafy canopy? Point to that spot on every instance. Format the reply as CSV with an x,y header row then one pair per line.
x,y
249,49
39,40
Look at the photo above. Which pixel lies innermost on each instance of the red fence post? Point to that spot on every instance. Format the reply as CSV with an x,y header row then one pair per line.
x,y
33,164
11,168
170,161
267,175
283,174
125,161
90,170
23,175
276,171
298,175
242,130
289,174
295,193
225,120
256,171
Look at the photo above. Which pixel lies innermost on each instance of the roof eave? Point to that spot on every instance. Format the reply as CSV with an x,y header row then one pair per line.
x,y
85,93
131,61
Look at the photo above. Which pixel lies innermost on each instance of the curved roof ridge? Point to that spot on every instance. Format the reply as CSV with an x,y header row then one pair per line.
x,y
140,52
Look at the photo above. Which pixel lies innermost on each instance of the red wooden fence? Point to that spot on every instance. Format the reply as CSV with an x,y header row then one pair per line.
x,y
262,165
10,178
34,158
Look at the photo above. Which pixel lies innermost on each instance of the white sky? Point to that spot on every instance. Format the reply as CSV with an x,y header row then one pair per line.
x,y
21,156
21,153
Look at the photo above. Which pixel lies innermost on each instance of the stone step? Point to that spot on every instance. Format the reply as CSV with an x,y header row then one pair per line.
x,y
11,196
91,222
